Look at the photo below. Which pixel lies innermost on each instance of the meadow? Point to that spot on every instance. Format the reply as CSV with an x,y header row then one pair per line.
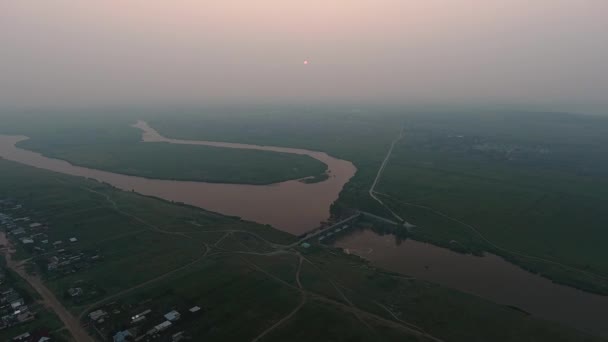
x,y
247,277
527,186
110,144
531,184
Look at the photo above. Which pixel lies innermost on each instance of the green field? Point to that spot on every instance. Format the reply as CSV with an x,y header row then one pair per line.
x,y
532,195
530,183
162,256
111,144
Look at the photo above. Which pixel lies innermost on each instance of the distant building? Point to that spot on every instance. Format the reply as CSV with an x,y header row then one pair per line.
x,y
16,304
172,316
141,314
75,291
18,231
73,239
163,326
97,315
194,309
122,336
23,337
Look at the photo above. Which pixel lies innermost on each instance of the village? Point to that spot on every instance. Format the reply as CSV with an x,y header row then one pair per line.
x,y
54,259
144,322
13,307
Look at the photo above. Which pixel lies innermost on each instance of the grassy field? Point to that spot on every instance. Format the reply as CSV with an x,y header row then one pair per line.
x,y
531,183
111,144
512,193
161,256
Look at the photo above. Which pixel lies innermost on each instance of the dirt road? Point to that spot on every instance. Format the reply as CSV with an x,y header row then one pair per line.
x,y
48,298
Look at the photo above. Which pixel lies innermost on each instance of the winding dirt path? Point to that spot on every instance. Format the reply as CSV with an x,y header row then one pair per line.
x,y
303,301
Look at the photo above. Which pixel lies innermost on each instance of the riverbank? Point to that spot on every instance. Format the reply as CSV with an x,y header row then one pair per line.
x,y
489,276
243,271
287,205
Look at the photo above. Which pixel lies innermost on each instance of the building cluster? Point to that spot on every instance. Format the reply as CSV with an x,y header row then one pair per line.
x,y
145,325
56,257
38,336
63,261
13,309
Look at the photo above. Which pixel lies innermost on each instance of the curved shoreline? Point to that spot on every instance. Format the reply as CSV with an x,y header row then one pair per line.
x,y
292,206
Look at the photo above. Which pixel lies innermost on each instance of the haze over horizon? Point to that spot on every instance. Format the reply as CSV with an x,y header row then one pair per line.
x,y
69,53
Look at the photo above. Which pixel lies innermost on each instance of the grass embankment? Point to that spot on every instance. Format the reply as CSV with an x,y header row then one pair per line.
x,y
161,256
112,145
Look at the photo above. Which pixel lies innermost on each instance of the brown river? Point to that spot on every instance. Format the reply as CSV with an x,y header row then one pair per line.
x,y
292,206
489,277
297,207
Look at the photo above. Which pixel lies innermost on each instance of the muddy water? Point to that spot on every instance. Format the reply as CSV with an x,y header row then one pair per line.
x,y
291,206
489,277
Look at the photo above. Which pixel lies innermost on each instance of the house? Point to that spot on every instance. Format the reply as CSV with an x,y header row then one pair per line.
x,y
18,231
97,315
75,291
163,326
27,241
19,302
141,314
122,336
172,316
22,337
73,239
138,319
194,309
178,336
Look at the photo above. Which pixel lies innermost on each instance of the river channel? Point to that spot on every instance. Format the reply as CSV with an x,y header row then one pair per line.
x,y
292,206
297,207
489,277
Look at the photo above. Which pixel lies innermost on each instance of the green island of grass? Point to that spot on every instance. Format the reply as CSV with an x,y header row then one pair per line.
x,y
112,145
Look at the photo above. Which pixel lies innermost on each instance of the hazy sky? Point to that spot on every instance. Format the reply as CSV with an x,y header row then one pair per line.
x,y
195,52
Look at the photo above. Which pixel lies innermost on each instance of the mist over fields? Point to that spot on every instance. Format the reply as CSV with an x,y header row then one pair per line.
x,y
547,54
